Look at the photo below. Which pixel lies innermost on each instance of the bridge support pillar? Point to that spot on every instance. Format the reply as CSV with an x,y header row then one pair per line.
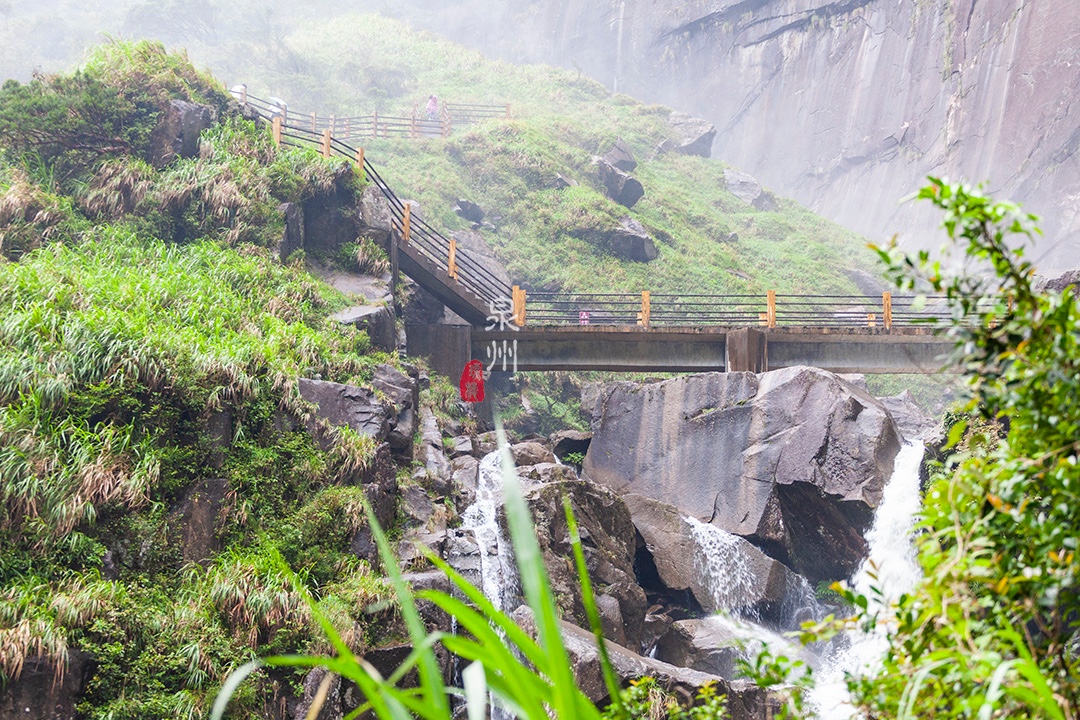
x,y
746,350
448,347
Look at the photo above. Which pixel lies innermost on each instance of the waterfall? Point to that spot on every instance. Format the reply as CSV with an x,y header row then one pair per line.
x,y
892,560
498,575
720,565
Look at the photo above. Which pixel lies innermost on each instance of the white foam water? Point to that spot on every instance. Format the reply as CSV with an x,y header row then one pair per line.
x,y
891,569
721,565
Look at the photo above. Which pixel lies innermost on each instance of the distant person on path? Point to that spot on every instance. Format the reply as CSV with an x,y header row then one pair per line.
x,y
433,108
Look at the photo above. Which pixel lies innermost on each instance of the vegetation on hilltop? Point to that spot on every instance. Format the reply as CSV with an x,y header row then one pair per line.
x,y
141,301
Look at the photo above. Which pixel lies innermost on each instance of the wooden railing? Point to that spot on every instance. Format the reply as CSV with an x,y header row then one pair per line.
x,y
357,127
567,308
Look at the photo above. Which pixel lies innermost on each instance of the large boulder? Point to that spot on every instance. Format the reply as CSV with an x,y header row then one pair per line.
x,y
622,187
913,423
629,240
344,405
690,135
330,217
403,393
746,701
374,220
726,572
434,471
794,460
714,644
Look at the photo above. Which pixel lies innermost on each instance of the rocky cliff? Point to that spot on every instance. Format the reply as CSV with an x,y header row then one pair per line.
x,y
843,104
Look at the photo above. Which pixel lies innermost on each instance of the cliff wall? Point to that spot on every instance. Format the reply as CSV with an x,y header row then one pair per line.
x,y
845,105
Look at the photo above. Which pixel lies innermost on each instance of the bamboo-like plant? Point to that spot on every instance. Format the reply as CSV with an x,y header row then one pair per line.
x,y
529,677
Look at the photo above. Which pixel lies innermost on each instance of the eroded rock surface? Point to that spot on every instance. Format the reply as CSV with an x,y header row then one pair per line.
x,y
794,460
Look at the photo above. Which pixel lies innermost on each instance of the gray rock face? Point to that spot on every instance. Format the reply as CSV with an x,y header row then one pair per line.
x,y
199,516
292,238
745,700
345,405
530,453
690,135
621,187
376,320
565,442
435,470
38,694
177,133
330,218
473,244
629,240
620,156
722,571
403,392
914,424
1070,278
374,220
794,460
608,542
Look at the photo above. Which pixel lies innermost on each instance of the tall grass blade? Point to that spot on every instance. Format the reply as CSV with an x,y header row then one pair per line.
x,y
588,599
232,682
472,677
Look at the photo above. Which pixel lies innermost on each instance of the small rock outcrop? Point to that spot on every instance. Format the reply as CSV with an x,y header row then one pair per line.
x,y
689,135
376,320
621,186
177,133
345,405
794,460
374,218
469,211
620,156
629,240
748,189
41,694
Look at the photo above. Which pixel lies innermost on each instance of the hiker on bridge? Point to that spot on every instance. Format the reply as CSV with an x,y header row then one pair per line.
x,y
433,108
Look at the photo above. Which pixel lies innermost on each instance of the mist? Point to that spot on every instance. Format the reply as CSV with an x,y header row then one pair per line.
x,y
845,107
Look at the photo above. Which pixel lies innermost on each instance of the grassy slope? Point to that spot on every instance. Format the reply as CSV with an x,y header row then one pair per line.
x,y
117,346
560,121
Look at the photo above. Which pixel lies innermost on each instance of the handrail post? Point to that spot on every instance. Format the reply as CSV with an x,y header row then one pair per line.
x,y
518,300
243,94
360,164
451,260
275,123
406,222
643,316
886,310
770,310
348,129
412,127
326,138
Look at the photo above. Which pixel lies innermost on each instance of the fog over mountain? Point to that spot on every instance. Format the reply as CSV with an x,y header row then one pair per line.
x,y
843,105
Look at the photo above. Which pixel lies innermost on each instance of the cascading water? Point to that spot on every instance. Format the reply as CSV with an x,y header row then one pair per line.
x,y
498,576
891,568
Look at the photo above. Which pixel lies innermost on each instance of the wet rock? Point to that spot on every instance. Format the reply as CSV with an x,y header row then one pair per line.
x,y
416,506
914,424
40,694
330,218
331,708
374,216
376,320
621,187
403,392
344,405
464,476
486,443
620,156
435,470
690,135
546,472
470,211
462,445
794,460
745,700
480,255
714,644
722,571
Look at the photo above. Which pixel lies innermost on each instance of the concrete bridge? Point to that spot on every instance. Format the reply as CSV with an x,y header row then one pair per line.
x,y
511,329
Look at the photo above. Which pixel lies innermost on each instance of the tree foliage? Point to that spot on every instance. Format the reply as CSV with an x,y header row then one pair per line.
x,y
992,629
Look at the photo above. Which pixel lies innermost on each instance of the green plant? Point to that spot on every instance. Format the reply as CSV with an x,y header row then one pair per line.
x,y
574,458
991,629
531,677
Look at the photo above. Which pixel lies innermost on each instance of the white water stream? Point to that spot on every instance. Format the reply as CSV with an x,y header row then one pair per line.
x,y
891,569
